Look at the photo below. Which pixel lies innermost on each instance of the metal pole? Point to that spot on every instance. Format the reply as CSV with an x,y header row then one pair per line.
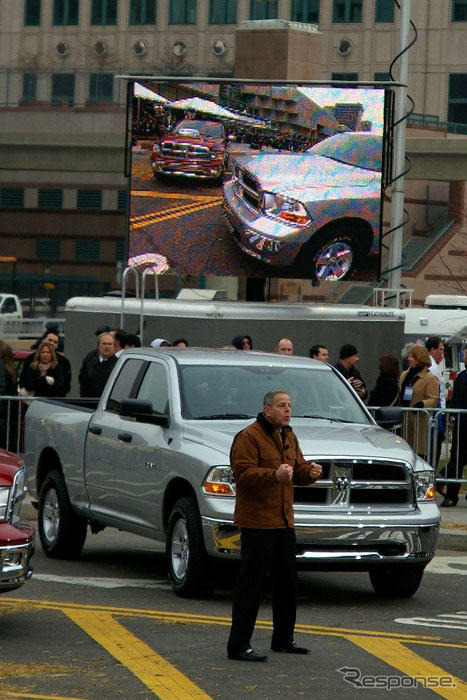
x,y
397,191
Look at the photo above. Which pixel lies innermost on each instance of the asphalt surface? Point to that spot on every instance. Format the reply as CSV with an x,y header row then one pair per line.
x,y
452,536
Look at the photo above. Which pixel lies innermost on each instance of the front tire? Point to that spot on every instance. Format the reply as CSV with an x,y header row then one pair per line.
x,y
401,581
62,532
188,564
333,254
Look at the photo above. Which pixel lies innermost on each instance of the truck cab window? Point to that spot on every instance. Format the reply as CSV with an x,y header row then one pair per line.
x,y
154,387
126,384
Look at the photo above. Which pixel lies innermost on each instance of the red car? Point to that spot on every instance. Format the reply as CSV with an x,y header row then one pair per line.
x,y
16,536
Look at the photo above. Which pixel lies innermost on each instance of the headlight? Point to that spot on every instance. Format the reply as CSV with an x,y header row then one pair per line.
x,y
219,481
425,485
4,497
19,490
288,210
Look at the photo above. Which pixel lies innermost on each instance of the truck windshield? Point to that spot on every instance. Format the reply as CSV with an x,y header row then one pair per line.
x,y
226,392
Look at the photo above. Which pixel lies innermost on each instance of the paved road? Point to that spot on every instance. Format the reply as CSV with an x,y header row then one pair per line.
x,y
109,626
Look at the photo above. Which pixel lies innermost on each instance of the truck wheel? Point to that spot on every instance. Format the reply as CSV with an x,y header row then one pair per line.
x,y
332,254
396,581
189,569
62,532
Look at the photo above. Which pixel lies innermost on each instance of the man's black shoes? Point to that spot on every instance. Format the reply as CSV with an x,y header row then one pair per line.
x,y
247,655
290,648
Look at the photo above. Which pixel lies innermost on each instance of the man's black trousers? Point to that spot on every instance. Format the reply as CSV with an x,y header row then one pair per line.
x,y
265,551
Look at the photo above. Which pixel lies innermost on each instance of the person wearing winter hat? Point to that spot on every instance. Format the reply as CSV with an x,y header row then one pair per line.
x,y
160,343
348,358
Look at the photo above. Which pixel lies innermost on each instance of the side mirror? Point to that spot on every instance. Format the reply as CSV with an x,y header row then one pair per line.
x,y
388,416
142,411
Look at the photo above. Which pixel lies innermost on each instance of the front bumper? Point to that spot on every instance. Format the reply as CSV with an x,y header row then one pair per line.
x,y
16,550
339,546
204,170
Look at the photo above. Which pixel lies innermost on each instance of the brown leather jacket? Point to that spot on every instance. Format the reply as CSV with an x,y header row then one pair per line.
x,y
256,453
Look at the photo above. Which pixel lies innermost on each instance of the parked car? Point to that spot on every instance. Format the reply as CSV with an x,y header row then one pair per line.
x,y
16,536
194,148
319,210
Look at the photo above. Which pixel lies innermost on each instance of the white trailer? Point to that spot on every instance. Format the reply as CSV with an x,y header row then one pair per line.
x,y
375,331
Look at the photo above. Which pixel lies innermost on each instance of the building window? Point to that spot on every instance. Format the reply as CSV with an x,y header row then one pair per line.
x,y
89,199
345,76
457,107
65,12
29,86
122,200
182,12
223,12
263,9
120,251
12,197
63,88
48,249
143,12
305,11
50,199
104,12
347,11
87,250
384,11
32,13
459,10
101,87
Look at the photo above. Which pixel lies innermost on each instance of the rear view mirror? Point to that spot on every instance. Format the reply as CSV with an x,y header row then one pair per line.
x,y
142,411
388,416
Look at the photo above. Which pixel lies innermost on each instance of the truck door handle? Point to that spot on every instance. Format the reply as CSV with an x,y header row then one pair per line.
x,y
95,429
126,437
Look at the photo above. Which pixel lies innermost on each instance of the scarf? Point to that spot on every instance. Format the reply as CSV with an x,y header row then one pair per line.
x,y
44,368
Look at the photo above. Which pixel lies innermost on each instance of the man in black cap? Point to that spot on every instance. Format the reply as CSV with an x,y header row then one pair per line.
x,y
348,358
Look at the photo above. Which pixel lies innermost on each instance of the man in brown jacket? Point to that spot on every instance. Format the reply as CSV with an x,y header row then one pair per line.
x,y
266,461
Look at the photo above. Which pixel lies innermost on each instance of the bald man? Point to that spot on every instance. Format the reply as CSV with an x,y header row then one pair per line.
x,y
284,347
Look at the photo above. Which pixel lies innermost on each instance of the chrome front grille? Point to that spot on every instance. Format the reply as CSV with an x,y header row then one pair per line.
x,y
185,151
359,483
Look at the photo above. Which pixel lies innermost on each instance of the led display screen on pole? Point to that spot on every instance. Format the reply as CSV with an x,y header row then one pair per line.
x,y
257,180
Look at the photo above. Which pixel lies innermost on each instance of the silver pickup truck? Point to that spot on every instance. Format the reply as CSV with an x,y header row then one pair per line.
x,y
153,459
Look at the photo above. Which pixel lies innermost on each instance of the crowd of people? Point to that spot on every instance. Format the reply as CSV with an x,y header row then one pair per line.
x,y
47,372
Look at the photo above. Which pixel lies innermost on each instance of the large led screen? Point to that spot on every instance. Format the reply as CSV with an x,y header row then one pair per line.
x,y
257,180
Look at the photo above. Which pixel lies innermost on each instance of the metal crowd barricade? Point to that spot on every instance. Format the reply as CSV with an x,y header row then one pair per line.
x,y
441,456
13,410
437,444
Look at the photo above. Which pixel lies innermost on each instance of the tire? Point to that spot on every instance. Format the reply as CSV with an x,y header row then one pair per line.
x,y
62,532
330,256
188,564
398,581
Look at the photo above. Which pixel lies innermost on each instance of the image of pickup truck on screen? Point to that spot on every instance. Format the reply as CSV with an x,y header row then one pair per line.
x,y
194,148
318,212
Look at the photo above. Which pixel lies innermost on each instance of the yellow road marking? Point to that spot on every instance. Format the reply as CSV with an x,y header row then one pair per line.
x,y
174,195
189,618
171,215
153,670
182,208
396,654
